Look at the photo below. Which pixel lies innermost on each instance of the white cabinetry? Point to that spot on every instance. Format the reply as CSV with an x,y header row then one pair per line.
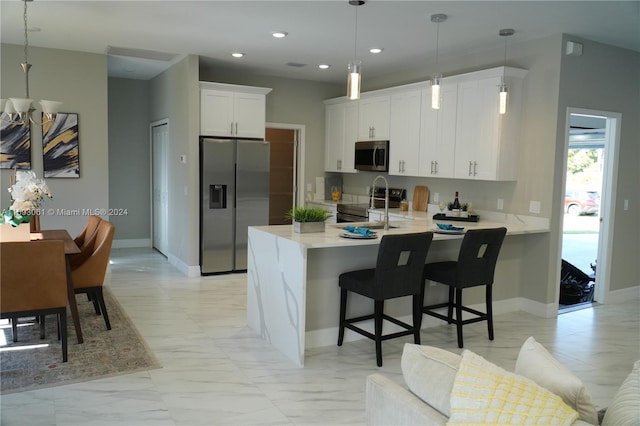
x,y
438,132
486,141
232,111
341,121
374,118
332,209
405,133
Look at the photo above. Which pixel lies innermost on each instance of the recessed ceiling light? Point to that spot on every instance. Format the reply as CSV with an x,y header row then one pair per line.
x,y
237,54
376,50
279,34
323,66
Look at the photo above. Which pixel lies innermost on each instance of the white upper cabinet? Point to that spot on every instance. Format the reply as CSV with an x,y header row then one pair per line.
x,y
486,145
374,118
232,111
341,128
466,138
404,145
438,132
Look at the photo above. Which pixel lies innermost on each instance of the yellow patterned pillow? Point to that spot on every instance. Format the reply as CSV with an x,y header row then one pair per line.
x,y
484,393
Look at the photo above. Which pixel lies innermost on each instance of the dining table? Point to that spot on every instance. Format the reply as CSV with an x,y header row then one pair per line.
x,y
70,248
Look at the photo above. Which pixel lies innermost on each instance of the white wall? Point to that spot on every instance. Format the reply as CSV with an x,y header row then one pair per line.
x,y
80,81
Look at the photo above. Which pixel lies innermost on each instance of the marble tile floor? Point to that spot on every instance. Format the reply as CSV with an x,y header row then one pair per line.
x,y
216,371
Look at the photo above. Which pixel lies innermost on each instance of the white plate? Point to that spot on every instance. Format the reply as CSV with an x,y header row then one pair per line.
x,y
447,231
358,236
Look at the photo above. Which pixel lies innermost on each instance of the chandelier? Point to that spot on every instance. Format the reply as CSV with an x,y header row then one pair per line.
x,y
20,110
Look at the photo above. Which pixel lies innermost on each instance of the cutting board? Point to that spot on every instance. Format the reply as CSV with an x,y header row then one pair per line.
x,y
420,198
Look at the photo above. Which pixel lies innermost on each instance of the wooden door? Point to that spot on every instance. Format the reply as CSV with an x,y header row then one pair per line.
x,y
281,174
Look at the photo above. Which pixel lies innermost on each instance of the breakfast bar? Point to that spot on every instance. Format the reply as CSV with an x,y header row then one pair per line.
x,y
292,278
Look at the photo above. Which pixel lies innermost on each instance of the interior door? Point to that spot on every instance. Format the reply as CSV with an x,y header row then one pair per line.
x,y
282,174
160,181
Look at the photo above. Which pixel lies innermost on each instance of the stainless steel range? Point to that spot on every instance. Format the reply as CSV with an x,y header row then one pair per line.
x,y
360,212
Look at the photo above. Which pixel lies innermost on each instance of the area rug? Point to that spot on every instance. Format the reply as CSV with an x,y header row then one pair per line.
x,y
32,363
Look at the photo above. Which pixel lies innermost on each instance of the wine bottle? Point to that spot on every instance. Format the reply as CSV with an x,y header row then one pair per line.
x,y
456,203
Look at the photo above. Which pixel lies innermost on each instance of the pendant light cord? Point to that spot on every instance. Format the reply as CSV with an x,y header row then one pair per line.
x,y
437,40
355,38
26,36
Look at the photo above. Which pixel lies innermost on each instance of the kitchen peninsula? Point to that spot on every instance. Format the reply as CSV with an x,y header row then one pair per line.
x,y
292,279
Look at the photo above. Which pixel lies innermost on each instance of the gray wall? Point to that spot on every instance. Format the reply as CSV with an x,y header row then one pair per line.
x,y
292,102
129,158
175,95
606,78
79,80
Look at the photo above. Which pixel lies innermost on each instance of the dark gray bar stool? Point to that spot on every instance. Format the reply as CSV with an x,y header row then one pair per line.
x,y
398,273
475,266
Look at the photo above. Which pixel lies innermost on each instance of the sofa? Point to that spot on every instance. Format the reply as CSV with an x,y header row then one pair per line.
x,y
443,388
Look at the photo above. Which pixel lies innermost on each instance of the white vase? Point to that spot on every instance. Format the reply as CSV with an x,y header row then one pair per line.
x,y
307,227
10,233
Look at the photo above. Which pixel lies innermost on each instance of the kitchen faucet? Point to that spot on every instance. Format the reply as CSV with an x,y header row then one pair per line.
x,y
386,199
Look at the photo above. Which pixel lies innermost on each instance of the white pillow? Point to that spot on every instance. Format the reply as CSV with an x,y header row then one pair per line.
x,y
429,373
484,393
536,363
625,407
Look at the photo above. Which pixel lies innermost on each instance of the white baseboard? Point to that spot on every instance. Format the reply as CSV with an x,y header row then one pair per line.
x,y
131,243
329,336
188,270
625,294
545,310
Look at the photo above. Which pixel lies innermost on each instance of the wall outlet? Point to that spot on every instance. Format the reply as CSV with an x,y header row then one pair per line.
x,y
500,204
183,158
309,187
626,204
534,206
436,197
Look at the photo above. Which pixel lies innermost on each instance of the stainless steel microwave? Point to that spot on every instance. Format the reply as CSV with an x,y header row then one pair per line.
x,y
372,156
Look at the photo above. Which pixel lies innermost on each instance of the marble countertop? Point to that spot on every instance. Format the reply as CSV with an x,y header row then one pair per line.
x,y
416,222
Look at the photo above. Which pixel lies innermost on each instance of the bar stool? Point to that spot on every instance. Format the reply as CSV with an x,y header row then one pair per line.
x,y
475,266
398,273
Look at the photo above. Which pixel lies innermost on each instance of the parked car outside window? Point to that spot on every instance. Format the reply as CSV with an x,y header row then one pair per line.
x,y
581,202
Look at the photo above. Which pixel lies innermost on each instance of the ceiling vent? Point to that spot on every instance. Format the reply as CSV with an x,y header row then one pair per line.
x,y
296,64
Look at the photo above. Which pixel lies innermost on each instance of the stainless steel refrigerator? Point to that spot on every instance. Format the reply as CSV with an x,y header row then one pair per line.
x,y
234,194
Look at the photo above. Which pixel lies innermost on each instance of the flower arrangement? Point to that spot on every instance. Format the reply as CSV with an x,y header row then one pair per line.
x,y
27,194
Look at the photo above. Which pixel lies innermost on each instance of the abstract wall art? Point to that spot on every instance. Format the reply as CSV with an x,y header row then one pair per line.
x,y
60,147
15,144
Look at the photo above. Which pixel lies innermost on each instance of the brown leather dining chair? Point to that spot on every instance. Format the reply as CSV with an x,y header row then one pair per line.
x,y
85,241
33,282
88,277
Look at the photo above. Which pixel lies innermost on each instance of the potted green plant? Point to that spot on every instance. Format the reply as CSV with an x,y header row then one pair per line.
x,y
464,211
308,219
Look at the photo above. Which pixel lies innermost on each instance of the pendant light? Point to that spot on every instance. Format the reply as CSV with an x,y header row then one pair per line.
x,y
355,67
435,81
502,106
19,110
